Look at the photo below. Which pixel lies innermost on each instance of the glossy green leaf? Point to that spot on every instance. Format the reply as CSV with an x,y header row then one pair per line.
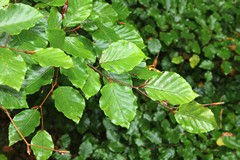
x,y
17,17
52,57
11,99
77,12
85,150
77,74
224,53
118,103
207,64
92,84
177,60
75,47
154,46
12,69
70,102
194,60
103,13
56,37
26,121
195,118
231,142
121,56
171,87
54,19
44,139
121,8
37,77
226,67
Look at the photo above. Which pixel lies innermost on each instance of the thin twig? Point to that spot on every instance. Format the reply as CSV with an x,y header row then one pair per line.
x,y
51,149
13,49
213,104
19,132
165,104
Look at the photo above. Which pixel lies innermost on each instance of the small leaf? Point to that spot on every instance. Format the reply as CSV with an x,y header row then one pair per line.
x,y
119,103
52,57
207,64
170,86
11,99
26,121
154,46
121,56
177,60
56,37
196,118
226,67
70,102
37,77
77,12
85,150
92,84
54,19
194,60
12,69
77,74
75,47
44,139
17,17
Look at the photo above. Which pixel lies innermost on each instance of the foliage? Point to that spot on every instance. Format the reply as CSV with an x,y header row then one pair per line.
x,y
88,60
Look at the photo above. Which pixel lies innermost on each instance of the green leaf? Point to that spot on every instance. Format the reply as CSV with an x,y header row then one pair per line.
x,y
54,19
17,17
166,38
12,69
103,13
119,103
44,139
77,12
3,2
70,102
37,77
2,156
226,67
77,74
92,84
85,150
143,72
26,121
56,37
171,87
194,60
121,56
177,60
56,2
75,47
154,46
231,142
224,53
121,8
195,118
205,35
52,57
11,99
207,64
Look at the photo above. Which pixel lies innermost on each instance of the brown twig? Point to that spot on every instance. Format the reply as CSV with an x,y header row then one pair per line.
x,y
166,105
51,149
5,44
213,104
13,49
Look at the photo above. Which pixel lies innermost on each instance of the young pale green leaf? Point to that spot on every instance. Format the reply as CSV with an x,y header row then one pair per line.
x,y
54,19
121,56
52,57
17,17
171,87
119,103
75,47
12,69
195,118
44,139
77,74
194,60
92,84
56,37
11,99
103,13
77,12
70,102
26,121
37,77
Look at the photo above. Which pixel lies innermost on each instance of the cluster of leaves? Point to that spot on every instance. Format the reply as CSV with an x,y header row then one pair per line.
x,y
89,57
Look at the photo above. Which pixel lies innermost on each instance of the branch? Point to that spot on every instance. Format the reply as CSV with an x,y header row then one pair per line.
x,y
213,104
13,49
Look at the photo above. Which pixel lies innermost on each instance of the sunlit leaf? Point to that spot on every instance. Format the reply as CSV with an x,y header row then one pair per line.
x,y
12,69
171,87
56,37
196,118
42,139
78,11
70,102
26,121
52,57
54,19
119,103
17,17
121,56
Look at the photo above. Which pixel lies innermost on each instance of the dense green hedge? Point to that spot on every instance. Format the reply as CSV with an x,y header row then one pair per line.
x,y
197,39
